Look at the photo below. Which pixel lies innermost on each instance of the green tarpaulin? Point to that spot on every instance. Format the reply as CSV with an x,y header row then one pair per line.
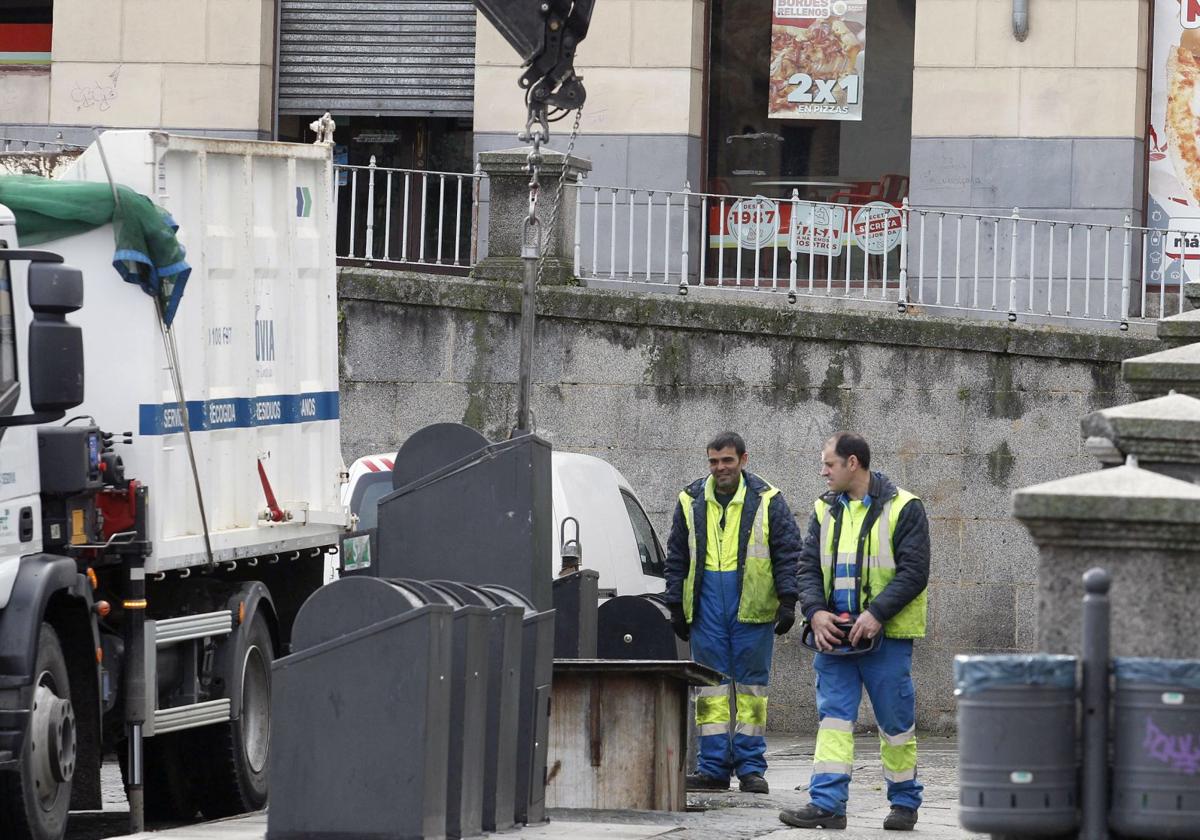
x,y
147,252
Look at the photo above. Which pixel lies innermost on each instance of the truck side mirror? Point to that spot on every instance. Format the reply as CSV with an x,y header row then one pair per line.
x,y
55,346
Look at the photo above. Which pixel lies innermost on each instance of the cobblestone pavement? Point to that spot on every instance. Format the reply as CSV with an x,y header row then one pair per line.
x,y
711,816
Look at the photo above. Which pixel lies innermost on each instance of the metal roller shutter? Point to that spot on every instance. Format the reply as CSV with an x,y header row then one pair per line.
x,y
377,57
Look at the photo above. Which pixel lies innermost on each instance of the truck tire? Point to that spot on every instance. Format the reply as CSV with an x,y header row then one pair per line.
x,y
167,785
34,801
238,752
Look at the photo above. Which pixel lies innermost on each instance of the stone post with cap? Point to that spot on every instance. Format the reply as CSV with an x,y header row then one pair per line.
x,y
506,191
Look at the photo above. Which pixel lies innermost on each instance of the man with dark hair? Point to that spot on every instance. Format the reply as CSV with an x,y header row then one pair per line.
x,y
731,580
865,567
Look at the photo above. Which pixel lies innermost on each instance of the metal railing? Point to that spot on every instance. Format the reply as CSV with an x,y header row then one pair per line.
x,y
412,217
22,144
1012,266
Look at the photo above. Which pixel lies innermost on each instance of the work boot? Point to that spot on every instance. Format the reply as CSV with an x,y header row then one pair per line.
x,y
810,816
900,819
699,781
753,783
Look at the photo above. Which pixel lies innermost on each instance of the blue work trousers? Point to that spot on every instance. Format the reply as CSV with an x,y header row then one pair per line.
x,y
731,732
887,675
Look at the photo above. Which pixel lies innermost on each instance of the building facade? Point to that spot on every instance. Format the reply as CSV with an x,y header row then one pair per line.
x,y
952,105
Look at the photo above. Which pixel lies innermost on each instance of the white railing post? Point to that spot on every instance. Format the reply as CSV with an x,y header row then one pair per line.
x,y
476,184
902,301
353,206
1126,266
1012,267
687,235
793,245
578,234
371,208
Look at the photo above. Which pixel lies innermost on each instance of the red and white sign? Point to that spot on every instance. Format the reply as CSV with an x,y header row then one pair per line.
x,y
876,227
1189,13
753,222
819,229
804,227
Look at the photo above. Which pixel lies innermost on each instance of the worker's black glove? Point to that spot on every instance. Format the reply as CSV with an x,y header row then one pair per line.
x,y
679,623
785,617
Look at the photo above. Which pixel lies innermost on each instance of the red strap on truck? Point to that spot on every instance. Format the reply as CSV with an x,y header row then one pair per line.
x,y
272,505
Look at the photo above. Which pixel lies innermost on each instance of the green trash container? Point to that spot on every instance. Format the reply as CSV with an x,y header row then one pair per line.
x,y
1156,749
1018,765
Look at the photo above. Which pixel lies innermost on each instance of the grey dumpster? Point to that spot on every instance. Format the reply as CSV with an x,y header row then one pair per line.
x,y
1017,760
503,704
576,597
637,627
1156,748
468,709
359,716
470,510
537,667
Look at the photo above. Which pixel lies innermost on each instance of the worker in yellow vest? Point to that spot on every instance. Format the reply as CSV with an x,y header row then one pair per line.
x,y
731,581
865,566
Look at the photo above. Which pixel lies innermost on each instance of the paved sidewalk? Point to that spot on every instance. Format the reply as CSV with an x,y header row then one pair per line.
x,y
723,816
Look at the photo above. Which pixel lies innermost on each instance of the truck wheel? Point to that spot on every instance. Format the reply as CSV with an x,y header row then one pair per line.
x,y
239,752
34,800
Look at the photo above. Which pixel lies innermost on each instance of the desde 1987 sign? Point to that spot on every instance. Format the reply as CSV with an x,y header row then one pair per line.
x,y
818,52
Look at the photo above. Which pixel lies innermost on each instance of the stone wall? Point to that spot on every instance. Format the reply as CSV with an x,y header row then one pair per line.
x,y
959,412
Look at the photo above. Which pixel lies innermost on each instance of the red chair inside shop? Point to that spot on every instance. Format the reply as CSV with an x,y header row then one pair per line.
x,y
894,188
851,197
874,189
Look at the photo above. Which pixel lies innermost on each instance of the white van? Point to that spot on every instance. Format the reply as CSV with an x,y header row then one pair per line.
x,y
617,538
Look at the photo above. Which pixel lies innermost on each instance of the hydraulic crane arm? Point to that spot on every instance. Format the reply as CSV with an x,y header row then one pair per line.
x,y
545,34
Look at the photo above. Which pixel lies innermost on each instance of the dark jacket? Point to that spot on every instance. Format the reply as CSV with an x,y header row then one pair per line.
x,y
784,539
910,546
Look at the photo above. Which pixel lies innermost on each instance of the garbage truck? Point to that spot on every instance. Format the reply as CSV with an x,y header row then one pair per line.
x,y
170,467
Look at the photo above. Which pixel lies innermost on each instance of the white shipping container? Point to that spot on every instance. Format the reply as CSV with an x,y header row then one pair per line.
x,y
256,336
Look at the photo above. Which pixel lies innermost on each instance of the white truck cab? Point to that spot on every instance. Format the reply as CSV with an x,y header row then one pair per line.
x,y
617,538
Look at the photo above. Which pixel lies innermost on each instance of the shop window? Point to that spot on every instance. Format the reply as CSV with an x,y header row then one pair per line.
x,y
25,32
810,95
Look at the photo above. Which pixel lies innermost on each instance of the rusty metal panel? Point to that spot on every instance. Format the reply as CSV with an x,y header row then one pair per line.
x,y
377,57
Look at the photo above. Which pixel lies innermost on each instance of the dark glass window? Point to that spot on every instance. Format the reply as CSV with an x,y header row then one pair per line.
x,y
749,153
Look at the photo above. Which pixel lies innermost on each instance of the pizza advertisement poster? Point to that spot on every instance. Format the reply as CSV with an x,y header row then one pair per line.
x,y
1173,143
818,53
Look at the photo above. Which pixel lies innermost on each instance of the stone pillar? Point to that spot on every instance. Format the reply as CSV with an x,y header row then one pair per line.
x,y
1156,374
1163,434
1144,528
1183,328
508,188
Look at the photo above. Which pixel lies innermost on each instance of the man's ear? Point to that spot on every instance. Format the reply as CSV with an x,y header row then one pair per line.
x,y
852,462
744,459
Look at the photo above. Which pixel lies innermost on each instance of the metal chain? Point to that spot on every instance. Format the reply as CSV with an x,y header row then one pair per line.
x,y
536,132
562,177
